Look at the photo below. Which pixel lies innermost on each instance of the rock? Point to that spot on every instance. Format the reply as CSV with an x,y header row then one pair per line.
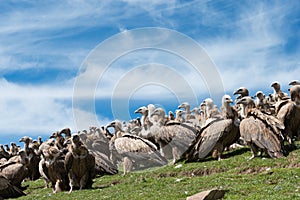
x,y
208,195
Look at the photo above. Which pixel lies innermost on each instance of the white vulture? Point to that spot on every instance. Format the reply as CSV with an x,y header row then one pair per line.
x,y
173,138
134,150
289,115
79,164
216,135
260,131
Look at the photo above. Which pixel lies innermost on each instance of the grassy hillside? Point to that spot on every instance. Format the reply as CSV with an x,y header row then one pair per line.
x,y
260,178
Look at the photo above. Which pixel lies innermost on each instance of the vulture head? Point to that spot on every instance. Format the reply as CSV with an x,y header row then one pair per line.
x,y
242,91
184,105
171,115
260,95
294,82
23,157
66,131
295,94
208,104
179,113
25,139
55,134
275,85
226,99
142,110
160,112
247,102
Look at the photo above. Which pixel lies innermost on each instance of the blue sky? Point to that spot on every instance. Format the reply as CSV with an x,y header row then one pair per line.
x,y
44,44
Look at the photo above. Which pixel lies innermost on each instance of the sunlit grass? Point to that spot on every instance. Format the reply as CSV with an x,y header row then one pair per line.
x,y
260,178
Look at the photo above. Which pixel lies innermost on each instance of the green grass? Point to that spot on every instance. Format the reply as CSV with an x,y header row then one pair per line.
x,y
260,178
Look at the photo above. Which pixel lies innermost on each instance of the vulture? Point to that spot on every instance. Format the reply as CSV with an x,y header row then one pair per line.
x,y
278,94
3,152
289,115
59,139
187,108
134,150
216,135
57,175
43,152
294,82
33,159
260,131
241,92
173,138
98,145
79,164
7,190
67,133
16,171
261,102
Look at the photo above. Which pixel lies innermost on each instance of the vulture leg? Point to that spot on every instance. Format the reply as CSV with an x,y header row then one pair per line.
x,y
71,178
83,181
217,152
176,155
254,150
127,165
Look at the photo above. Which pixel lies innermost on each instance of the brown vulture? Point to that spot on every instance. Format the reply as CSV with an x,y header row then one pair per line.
x,y
289,115
16,171
7,190
261,131
216,135
134,150
79,164
33,158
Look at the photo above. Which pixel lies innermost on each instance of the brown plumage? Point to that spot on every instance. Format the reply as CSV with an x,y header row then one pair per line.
x,y
173,138
33,159
4,153
54,162
261,131
16,171
134,150
7,190
79,164
216,135
98,144
289,115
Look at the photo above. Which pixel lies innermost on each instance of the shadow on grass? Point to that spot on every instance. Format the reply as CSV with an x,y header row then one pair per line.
x,y
116,182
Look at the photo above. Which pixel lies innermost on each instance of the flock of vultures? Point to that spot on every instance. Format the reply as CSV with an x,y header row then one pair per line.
x,y
70,161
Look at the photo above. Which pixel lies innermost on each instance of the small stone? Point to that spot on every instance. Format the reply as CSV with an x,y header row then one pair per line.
x,y
208,195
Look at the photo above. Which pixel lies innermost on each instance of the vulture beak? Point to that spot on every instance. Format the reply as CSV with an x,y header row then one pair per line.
x,y
239,101
236,92
112,124
67,142
138,111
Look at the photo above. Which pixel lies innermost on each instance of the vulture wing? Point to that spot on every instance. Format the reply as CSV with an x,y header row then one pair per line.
x,y
7,190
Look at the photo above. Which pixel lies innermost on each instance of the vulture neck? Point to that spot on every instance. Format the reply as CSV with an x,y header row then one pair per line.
x,y
144,118
188,109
